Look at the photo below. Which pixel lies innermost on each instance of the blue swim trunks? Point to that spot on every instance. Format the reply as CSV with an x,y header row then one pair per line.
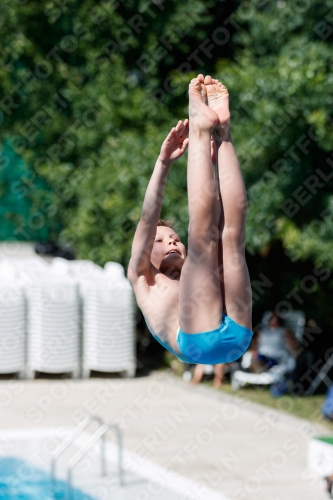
x,y
225,344
222,345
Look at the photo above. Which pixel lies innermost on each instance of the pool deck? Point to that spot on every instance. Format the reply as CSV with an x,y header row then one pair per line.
x,y
242,450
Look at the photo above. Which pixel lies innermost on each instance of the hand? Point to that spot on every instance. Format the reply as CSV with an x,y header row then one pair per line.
x,y
175,143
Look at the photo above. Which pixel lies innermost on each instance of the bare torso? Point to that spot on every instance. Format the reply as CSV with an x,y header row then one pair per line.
x,y
158,299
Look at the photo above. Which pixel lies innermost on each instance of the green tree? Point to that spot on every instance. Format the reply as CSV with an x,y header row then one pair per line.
x,y
81,107
281,97
281,87
91,89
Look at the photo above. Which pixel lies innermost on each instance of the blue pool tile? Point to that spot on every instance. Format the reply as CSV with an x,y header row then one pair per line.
x,y
20,480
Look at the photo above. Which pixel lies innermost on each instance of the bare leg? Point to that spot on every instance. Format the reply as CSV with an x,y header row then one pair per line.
x,y
218,375
199,289
236,281
220,218
198,374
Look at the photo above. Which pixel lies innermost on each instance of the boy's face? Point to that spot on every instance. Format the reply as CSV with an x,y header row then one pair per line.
x,y
168,251
274,321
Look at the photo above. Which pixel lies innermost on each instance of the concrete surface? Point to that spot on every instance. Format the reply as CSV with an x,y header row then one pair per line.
x,y
240,449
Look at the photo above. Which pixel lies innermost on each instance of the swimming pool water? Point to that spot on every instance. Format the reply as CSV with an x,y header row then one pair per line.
x,y
20,480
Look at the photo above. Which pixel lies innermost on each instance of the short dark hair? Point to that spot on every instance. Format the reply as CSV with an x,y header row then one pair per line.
x,y
275,314
166,223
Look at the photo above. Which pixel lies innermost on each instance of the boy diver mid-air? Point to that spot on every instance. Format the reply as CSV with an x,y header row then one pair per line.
x,y
198,305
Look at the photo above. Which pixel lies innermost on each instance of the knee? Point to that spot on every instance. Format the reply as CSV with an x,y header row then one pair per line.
x,y
207,234
202,245
234,237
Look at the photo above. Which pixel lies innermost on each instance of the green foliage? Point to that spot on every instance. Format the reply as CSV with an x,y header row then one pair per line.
x,y
83,116
17,184
91,89
281,85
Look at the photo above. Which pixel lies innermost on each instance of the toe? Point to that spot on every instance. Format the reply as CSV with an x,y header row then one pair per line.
x,y
208,80
203,90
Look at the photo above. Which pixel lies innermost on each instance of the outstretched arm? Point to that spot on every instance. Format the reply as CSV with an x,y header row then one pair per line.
x,y
172,148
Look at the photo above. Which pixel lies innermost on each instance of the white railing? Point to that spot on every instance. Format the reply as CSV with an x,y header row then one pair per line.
x,y
93,439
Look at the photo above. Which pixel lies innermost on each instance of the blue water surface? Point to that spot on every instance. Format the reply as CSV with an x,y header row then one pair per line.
x,y
20,480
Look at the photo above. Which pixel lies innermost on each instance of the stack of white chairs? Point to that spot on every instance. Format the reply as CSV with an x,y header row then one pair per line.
x,y
28,269
114,271
54,343
12,321
70,316
108,323
79,270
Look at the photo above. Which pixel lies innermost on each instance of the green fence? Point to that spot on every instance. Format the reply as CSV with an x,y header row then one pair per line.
x,y
20,216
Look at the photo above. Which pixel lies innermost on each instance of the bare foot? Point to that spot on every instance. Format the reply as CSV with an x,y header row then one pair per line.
x,y
201,116
217,383
218,100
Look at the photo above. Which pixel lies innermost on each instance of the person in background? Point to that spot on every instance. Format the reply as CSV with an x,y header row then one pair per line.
x,y
271,345
200,371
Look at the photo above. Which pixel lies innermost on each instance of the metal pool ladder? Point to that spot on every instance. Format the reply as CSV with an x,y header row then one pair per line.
x,y
99,434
